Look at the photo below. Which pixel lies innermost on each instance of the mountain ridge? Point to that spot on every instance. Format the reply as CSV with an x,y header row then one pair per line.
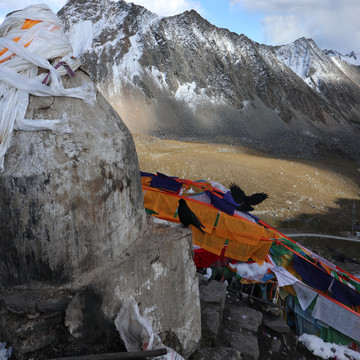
x,y
352,58
181,77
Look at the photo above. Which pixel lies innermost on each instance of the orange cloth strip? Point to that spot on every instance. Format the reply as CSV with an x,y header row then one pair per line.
x,y
241,230
163,204
244,252
245,238
28,24
261,252
209,242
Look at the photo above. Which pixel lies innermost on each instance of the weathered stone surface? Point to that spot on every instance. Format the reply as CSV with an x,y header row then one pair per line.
x,y
246,343
202,279
220,353
276,346
212,298
23,326
275,311
34,343
71,202
53,304
160,274
32,302
23,302
40,326
84,318
243,317
277,325
210,320
214,293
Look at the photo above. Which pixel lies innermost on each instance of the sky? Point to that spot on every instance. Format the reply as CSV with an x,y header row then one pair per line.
x,y
332,24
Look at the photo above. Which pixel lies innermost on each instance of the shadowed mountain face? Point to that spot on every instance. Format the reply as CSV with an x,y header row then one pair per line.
x,y
181,77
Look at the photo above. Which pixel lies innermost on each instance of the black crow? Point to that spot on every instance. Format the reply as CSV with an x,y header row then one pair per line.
x,y
246,202
187,217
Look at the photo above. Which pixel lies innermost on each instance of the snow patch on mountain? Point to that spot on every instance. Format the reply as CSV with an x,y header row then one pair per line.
x,y
114,87
194,97
81,37
307,61
129,65
339,63
158,76
83,34
296,56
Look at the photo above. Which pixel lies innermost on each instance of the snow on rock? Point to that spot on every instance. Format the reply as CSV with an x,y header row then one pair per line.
x,y
4,352
327,350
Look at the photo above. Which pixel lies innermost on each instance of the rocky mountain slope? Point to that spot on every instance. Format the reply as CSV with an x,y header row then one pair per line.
x,y
181,77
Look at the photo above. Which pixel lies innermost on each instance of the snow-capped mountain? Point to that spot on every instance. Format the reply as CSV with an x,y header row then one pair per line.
x,y
182,77
353,58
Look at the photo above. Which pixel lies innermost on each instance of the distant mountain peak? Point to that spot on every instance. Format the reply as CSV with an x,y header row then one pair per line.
x,y
352,58
183,77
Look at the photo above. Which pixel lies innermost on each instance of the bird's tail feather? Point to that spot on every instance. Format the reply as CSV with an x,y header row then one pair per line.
x,y
199,227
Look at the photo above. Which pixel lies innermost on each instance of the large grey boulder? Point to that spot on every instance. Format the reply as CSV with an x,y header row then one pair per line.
x,y
74,241
70,202
240,328
212,300
160,274
244,317
277,324
246,343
